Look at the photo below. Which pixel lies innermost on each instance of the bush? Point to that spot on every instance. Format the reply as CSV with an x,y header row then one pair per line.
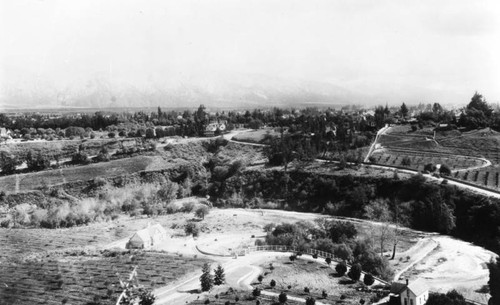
x,y
328,261
355,272
191,229
324,295
282,298
341,268
256,292
406,161
429,167
306,290
272,283
368,279
310,301
444,170
201,212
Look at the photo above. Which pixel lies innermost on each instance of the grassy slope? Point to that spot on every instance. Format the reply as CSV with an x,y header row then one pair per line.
x,y
255,136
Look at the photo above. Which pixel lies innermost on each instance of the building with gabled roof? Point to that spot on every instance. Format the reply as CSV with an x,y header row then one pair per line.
x,y
410,293
147,238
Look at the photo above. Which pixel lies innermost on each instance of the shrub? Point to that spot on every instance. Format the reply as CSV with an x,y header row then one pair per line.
x,y
368,279
201,212
341,268
444,170
315,255
306,289
310,301
324,295
256,292
282,298
191,229
429,167
260,278
292,257
328,261
406,161
187,207
272,283
355,272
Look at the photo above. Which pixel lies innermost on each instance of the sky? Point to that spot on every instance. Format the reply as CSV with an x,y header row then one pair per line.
x,y
395,50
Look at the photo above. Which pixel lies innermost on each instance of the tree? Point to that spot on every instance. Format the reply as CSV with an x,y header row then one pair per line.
x,y
80,157
310,301
219,277
341,268
368,279
150,133
282,298
328,261
378,210
404,110
200,120
8,163
202,211
206,278
429,167
494,281
477,102
444,170
38,162
355,272
256,292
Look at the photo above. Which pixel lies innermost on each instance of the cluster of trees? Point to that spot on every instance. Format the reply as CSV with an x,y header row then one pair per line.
x,y
207,280
336,237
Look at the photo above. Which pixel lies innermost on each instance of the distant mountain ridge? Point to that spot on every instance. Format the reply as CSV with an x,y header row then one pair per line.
x,y
229,92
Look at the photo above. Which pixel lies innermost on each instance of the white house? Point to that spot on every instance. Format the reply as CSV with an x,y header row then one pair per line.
x,y
410,293
147,238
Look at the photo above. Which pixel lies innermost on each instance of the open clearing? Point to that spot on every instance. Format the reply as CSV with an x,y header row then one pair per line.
x,y
256,136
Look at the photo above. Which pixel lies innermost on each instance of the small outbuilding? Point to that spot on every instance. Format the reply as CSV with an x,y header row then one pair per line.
x,y
409,293
147,238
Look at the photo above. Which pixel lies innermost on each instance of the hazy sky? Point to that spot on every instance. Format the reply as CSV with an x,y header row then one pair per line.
x,y
411,48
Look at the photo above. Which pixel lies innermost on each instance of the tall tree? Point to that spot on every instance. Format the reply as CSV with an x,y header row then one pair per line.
x,y
404,110
494,281
206,278
378,210
220,277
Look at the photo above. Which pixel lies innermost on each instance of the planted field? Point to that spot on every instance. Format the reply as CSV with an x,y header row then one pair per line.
x,y
417,160
459,151
31,181
84,279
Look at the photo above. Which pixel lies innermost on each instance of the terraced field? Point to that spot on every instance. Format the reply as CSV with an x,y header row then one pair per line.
x,y
462,152
418,159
